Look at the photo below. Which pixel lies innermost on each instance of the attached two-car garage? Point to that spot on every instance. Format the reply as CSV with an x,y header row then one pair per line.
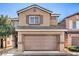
x,y
41,42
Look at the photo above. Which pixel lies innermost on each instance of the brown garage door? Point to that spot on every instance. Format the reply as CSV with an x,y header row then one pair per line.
x,y
75,41
41,42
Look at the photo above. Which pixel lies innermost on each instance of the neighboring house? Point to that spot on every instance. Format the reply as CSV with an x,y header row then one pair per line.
x,y
71,23
38,30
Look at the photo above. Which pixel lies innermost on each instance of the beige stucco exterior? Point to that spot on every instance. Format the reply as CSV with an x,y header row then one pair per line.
x,y
71,39
47,18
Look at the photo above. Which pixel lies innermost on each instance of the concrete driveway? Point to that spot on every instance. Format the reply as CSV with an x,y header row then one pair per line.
x,y
43,53
14,52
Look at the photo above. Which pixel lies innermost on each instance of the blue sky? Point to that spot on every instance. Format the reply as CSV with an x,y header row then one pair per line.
x,y
65,9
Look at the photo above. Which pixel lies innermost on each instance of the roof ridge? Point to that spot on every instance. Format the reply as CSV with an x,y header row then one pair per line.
x,y
34,5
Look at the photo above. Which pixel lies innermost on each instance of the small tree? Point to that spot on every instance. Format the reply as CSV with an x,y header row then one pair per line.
x,y
5,27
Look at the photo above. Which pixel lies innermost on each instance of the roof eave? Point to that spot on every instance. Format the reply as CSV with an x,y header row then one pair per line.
x,y
32,7
55,15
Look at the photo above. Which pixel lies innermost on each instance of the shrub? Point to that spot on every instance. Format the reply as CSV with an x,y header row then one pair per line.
x,y
73,48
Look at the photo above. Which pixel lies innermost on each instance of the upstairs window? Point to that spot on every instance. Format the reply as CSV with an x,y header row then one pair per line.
x,y
76,25
34,19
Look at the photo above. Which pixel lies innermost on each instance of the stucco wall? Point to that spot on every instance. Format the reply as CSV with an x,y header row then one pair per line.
x,y
46,17
54,20
70,36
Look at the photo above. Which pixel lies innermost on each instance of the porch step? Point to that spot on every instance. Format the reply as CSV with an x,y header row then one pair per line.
x,y
44,53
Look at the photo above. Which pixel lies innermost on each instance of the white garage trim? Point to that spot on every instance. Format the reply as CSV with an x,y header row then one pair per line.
x,y
20,38
40,30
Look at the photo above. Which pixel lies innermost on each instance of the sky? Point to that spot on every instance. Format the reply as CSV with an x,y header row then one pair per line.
x,y
64,9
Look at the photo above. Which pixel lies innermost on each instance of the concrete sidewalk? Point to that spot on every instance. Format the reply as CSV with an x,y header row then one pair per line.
x,y
1,50
4,50
10,52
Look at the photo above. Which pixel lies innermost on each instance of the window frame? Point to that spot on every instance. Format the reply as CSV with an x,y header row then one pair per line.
x,y
75,26
34,23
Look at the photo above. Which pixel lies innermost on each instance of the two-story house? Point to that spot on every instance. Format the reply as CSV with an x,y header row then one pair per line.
x,y
38,30
71,23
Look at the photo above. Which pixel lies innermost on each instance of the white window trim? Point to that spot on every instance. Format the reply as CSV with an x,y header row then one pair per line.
x,y
76,25
30,20
34,20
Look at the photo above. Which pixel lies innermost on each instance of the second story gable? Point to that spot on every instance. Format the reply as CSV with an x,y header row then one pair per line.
x,y
71,22
36,15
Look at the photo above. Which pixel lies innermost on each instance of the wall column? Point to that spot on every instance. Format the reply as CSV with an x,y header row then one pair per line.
x,y
69,40
62,41
20,46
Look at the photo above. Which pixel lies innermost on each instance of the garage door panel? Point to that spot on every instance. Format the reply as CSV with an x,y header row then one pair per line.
x,y
40,42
